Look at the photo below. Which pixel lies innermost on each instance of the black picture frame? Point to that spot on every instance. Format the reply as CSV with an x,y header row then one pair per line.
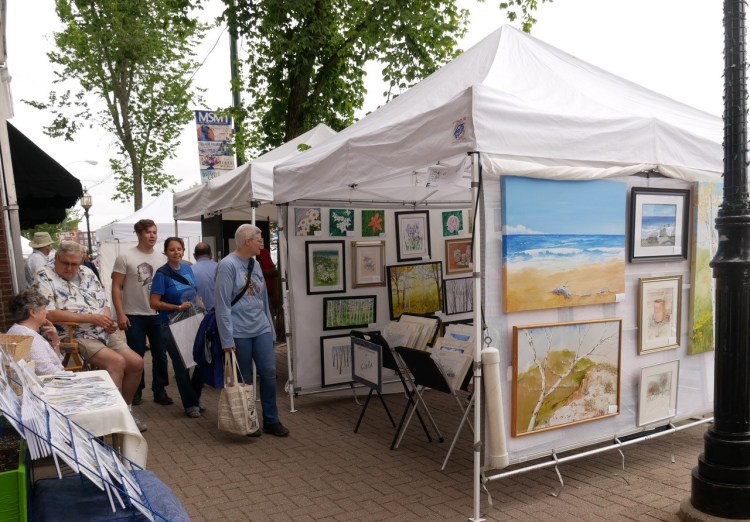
x,y
334,307
659,224
458,295
315,255
427,270
405,220
335,360
367,364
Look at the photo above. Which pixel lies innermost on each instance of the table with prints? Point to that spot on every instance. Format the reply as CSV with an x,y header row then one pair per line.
x,y
92,400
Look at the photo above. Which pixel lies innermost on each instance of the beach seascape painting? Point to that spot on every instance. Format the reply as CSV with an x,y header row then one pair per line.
x,y
563,243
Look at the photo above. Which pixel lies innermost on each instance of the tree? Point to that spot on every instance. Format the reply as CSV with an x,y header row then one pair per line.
x,y
306,58
135,57
69,224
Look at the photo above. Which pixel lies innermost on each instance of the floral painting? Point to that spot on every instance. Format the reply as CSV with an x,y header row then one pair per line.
x,y
413,235
340,221
453,222
373,223
325,267
306,221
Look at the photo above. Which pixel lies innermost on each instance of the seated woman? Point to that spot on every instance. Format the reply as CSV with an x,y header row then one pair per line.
x,y
29,310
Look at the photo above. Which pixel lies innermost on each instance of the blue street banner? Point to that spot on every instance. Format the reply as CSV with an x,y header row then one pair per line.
x,y
215,152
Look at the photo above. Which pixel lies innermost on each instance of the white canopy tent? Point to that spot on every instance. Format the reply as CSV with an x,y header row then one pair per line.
x,y
232,193
511,105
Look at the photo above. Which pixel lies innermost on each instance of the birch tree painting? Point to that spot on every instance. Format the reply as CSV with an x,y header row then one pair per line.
x,y
565,374
348,312
458,295
415,288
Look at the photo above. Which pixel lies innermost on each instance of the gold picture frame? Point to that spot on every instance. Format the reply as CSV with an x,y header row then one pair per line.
x,y
368,263
659,313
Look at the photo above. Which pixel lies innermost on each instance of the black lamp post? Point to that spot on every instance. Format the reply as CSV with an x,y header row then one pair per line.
x,y
86,203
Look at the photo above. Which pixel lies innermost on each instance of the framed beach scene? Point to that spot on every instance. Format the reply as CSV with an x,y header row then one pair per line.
x,y
563,243
326,270
658,224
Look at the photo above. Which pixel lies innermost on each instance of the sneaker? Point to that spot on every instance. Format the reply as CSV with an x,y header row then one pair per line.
x,y
193,412
255,433
277,429
137,398
139,423
163,399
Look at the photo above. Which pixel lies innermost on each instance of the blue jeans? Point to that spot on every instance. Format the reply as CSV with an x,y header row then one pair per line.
x,y
142,326
188,394
260,350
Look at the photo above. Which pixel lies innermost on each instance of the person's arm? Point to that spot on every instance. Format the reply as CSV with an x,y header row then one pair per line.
x,y
223,304
118,280
64,316
157,304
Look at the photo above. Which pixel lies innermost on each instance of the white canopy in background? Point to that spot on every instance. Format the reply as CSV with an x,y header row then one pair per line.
x,y
231,193
528,107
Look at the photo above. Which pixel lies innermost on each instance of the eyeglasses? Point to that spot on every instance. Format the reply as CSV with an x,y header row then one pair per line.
x,y
67,264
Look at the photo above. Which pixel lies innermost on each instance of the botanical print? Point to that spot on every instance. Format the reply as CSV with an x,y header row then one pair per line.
x,y
373,223
453,222
416,288
706,200
563,242
306,221
348,312
459,295
658,225
369,263
336,359
413,231
340,221
325,266
458,256
564,374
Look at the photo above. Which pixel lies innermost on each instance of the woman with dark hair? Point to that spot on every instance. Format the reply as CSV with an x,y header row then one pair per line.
x,y
174,289
29,309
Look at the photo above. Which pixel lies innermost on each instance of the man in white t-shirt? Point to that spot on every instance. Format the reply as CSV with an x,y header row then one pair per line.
x,y
131,289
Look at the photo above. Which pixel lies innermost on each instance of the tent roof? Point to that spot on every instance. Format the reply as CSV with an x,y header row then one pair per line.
x,y
519,102
233,192
160,210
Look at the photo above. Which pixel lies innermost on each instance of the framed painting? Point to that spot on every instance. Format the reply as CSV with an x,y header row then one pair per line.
x,y
326,268
657,396
367,367
581,379
412,235
415,288
453,222
349,312
373,223
458,295
307,221
335,360
368,263
458,256
659,313
340,221
705,240
563,243
658,224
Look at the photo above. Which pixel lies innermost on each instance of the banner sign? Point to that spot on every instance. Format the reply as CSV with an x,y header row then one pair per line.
x,y
215,152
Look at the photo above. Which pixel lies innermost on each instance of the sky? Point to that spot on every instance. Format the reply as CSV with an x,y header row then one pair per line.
x,y
674,47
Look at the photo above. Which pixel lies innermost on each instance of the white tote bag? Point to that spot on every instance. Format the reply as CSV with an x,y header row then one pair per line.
x,y
184,332
237,412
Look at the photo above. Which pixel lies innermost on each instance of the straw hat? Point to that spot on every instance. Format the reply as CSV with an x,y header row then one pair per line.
x,y
40,240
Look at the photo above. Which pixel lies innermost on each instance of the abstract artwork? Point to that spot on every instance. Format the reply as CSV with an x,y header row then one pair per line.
x,y
706,200
368,263
412,235
658,224
458,256
415,288
336,359
659,314
658,392
565,374
453,222
340,221
373,223
306,221
349,312
458,295
326,272
563,243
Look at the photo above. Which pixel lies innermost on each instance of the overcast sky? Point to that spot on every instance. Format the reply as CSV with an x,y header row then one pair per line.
x,y
671,46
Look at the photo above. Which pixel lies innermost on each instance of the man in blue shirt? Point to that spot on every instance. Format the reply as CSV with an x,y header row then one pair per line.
x,y
204,270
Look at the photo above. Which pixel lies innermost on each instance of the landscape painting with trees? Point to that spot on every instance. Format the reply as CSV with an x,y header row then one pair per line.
x,y
415,288
349,312
565,374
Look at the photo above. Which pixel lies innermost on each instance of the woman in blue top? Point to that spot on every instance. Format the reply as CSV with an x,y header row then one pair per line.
x,y
173,289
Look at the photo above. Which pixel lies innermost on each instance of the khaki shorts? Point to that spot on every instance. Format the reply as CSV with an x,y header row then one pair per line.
x,y
90,347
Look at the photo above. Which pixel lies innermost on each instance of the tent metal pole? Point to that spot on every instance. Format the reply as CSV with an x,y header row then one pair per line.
x,y
286,302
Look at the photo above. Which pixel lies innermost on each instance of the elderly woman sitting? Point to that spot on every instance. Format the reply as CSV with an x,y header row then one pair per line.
x,y
29,309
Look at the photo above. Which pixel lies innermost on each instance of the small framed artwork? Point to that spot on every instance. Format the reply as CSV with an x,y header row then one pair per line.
x,y
658,224
326,269
581,379
657,397
415,288
368,263
367,367
458,256
349,312
412,235
453,222
659,313
307,221
458,295
336,360
373,223
340,221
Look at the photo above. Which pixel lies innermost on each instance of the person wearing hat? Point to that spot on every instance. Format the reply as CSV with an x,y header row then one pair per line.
x,y
42,245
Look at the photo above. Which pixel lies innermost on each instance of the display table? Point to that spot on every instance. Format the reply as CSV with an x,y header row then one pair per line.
x,y
111,419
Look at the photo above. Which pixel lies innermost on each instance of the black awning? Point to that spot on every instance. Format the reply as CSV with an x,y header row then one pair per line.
x,y
43,187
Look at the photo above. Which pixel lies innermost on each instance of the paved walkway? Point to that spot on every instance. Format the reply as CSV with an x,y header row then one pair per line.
x,y
324,471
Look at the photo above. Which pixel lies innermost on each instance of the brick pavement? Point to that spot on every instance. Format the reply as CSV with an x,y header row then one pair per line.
x,y
324,471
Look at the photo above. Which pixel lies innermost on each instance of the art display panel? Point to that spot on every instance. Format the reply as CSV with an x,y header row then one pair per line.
x,y
563,243
659,313
326,267
565,374
658,224
415,288
657,397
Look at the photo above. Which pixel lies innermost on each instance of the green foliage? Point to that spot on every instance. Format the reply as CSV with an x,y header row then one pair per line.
x,y
522,9
135,58
69,224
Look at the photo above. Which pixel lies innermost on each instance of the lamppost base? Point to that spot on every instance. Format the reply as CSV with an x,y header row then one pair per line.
x,y
731,501
689,513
